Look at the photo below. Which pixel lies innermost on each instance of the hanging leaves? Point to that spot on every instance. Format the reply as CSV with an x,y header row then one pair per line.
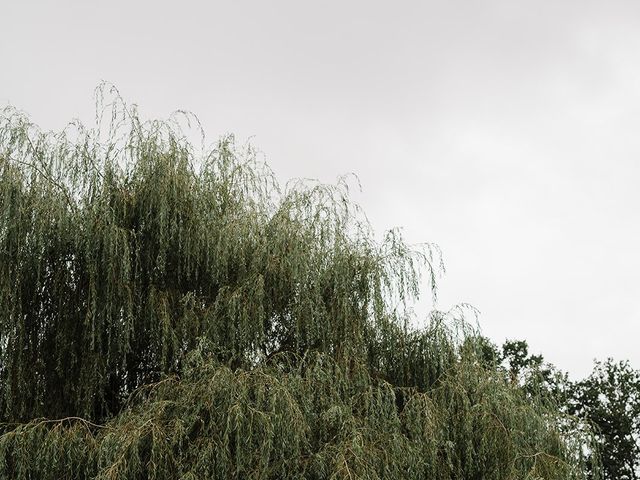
x,y
170,312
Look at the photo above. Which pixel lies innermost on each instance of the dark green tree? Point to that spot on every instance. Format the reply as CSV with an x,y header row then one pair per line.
x,y
169,312
537,377
610,399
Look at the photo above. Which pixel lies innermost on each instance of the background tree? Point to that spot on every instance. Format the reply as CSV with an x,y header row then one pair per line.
x,y
168,311
610,399
537,377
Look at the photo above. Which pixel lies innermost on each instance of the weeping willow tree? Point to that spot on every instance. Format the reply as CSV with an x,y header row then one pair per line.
x,y
168,311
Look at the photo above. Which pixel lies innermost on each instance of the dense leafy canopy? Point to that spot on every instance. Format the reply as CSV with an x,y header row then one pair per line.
x,y
609,398
168,311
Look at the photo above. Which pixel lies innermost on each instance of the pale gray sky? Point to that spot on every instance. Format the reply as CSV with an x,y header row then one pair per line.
x,y
505,131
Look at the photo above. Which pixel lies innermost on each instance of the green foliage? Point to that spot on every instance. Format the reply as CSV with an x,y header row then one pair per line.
x,y
168,312
302,418
539,379
610,399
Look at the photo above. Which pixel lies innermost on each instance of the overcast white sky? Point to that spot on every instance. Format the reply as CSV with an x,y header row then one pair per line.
x,y
505,131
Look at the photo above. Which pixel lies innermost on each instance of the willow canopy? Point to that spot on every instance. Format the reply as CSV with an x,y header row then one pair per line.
x,y
167,311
